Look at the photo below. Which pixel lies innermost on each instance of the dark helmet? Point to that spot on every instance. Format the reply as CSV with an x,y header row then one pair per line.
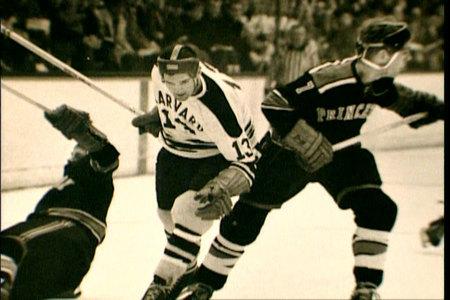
x,y
382,32
178,59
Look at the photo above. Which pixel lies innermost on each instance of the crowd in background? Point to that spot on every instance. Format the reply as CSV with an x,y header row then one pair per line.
x,y
237,36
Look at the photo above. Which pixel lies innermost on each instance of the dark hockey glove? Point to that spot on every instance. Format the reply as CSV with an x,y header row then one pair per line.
x,y
312,148
148,122
77,125
218,191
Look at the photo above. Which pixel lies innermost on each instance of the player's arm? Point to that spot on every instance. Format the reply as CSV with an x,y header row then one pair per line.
x,y
408,102
77,125
86,190
283,109
235,144
283,105
148,122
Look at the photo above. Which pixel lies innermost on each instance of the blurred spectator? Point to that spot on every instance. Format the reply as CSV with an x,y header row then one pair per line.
x,y
342,36
193,31
67,31
323,15
262,50
214,26
238,35
98,39
151,19
233,49
26,19
132,51
300,54
174,26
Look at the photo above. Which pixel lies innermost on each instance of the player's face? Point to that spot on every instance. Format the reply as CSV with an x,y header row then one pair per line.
x,y
389,64
399,63
181,85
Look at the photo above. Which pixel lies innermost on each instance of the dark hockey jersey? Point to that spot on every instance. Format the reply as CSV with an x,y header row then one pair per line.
x,y
333,99
85,192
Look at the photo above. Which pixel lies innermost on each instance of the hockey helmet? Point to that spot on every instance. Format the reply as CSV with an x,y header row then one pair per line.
x,y
383,33
178,59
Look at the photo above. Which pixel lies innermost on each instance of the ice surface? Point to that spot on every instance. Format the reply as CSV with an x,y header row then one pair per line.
x,y
303,252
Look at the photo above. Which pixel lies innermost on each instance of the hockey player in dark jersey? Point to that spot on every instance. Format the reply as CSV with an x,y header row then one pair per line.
x,y
208,155
48,255
326,105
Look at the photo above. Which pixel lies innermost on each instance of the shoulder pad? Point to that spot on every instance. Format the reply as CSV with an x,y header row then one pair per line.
x,y
332,74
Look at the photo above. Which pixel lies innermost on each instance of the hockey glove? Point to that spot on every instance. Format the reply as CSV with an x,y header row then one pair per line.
x,y
148,122
312,148
217,193
76,124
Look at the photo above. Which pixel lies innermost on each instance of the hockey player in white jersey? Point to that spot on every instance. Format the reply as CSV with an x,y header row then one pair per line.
x,y
208,155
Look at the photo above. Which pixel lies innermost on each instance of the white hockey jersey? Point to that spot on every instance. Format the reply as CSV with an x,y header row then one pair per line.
x,y
215,121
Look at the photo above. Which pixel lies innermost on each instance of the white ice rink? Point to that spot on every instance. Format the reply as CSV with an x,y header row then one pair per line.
x,y
304,251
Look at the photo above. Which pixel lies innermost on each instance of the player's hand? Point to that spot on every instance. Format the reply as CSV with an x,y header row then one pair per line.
x,y
434,114
68,120
312,148
76,124
217,201
148,122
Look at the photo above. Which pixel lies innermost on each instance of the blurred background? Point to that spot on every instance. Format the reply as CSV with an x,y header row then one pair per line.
x,y
115,37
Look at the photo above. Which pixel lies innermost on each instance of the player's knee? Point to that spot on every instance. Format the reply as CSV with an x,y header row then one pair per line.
x,y
373,209
243,225
183,213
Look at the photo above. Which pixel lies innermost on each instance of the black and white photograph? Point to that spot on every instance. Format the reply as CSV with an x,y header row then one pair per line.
x,y
222,149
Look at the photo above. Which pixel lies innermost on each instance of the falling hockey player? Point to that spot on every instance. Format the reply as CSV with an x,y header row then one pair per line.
x,y
324,106
48,255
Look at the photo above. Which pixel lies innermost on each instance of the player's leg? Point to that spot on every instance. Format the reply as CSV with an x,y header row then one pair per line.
x,y
354,182
237,230
12,251
177,180
57,256
278,178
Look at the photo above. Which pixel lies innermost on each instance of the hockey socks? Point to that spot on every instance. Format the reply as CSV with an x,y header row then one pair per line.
x,y
220,260
369,249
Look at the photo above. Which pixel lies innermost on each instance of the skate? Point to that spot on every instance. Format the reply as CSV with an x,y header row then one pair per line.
x,y
157,292
196,291
432,235
185,280
365,291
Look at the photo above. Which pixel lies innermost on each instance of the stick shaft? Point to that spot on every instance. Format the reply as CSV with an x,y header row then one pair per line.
x,y
25,98
377,131
64,67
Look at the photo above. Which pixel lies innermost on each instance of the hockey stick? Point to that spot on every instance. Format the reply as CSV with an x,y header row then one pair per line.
x,y
64,67
377,131
25,98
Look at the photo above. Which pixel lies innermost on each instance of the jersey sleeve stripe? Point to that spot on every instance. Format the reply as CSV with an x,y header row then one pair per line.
x,y
185,146
337,83
218,104
248,169
266,106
